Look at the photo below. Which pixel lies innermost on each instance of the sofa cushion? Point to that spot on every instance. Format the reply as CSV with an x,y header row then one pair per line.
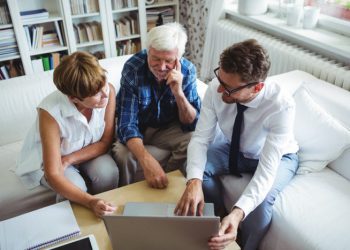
x,y
321,137
312,212
335,101
342,164
114,66
14,197
19,98
291,81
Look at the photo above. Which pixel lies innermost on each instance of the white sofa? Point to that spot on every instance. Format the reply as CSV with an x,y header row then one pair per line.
x,y
311,213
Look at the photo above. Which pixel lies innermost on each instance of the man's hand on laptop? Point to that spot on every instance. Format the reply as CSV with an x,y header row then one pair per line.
x,y
192,200
154,173
228,230
101,207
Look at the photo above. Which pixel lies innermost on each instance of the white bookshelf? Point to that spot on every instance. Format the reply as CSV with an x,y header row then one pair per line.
x,y
28,53
139,10
60,11
97,16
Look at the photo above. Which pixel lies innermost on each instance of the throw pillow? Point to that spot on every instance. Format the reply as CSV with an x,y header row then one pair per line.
x,y
321,137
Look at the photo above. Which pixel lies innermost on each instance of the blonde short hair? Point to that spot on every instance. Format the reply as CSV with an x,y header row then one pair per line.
x,y
79,75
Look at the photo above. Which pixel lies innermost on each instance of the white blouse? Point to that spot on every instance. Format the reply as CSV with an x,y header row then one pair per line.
x,y
75,132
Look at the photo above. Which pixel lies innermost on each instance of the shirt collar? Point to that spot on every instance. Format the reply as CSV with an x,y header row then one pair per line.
x,y
257,100
68,108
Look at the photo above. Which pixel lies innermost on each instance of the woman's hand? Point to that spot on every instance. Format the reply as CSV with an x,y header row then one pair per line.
x,y
101,207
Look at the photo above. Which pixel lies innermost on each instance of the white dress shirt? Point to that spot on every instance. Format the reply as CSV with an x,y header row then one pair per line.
x,y
75,132
266,135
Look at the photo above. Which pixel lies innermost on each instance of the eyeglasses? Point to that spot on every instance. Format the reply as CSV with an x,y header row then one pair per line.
x,y
228,92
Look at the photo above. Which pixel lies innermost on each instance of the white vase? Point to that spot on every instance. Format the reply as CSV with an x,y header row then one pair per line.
x,y
252,7
311,15
294,14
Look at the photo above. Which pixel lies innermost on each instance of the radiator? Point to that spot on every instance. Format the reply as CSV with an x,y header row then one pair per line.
x,y
284,56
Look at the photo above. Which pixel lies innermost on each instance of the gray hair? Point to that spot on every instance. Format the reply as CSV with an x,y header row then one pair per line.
x,y
167,37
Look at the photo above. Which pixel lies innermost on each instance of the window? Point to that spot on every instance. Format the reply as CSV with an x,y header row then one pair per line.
x,y
335,8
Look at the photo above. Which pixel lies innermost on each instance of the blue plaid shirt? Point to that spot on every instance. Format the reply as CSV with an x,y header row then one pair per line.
x,y
142,102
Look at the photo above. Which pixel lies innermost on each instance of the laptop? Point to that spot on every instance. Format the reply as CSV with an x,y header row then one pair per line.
x,y
154,226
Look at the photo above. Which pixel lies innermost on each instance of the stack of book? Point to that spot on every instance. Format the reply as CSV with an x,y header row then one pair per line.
x,y
128,47
87,32
11,69
38,38
119,4
126,26
79,7
166,15
34,15
4,13
46,62
8,44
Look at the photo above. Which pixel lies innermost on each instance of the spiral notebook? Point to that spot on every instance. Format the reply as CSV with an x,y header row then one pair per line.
x,y
39,228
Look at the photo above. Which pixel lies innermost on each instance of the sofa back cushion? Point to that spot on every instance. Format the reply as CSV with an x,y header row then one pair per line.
x,y
19,98
335,101
332,99
114,67
321,137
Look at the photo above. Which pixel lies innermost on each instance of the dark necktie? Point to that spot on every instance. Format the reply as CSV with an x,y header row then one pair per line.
x,y
236,134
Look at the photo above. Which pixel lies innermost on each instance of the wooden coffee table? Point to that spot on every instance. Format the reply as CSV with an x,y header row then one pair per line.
x,y
138,192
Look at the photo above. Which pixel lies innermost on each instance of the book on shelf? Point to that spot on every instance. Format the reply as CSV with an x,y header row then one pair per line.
x,y
46,62
50,39
8,43
54,60
7,33
38,38
128,47
87,32
79,7
82,33
34,15
11,68
40,228
4,72
120,4
88,29
59,33
96,30
37,65
4,13
126,26
76,34
15,68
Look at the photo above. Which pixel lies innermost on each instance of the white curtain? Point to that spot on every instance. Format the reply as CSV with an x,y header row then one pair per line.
x,y
215,8
193,15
